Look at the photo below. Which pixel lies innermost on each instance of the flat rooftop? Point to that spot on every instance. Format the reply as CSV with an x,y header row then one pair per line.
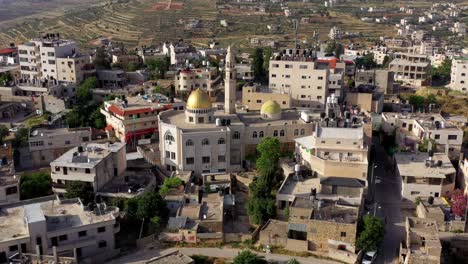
x,y
171,258
51,132
93,153
8,175
416,165
334,211
299,188
56,214
426,120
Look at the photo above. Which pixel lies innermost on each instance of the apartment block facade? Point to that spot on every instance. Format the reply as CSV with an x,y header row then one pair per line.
x,y
65,226
95,164
459,75
301,78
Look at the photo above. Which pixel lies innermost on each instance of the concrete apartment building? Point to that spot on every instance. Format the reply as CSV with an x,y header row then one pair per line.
x,y
381,78
39,60
112,79
412,129
424,176
136,117
411,68
188,80
64,227
74,69
366,97
253,97
125,59
95,164
9,180
335,152
459,74
301,78
422,244
47,144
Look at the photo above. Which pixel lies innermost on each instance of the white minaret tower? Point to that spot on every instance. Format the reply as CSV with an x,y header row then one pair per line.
x,y
230,84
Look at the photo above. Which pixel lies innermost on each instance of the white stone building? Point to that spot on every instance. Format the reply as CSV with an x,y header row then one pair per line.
x,y
95,164
459,74
65,226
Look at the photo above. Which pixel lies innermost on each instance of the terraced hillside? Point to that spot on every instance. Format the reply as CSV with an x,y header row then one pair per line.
x,y
143,22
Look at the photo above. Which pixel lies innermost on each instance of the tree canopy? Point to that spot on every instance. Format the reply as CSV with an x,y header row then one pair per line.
x,y
261,205
78,189
459,203
170,183
258,64
442,73
366,62
101,59
247,257
159,66
3,132
35,184
372,233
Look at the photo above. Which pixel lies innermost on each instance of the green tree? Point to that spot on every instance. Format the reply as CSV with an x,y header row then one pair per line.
x,y
386,61
268,54
170,183
101,59
131,67
366,62
443,71
3,132
247,257
97,119
5,78
35,184
257,64
160,66
78,189
372,233
151,204
417,101
293,261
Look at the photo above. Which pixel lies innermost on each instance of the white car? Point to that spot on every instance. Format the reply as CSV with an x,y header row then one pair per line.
x,y
369,257
13,129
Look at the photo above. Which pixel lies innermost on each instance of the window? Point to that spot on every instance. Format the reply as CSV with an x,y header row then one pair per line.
x,y
319,97
169,137
101,229
303,96
205,142
13,248
296,132
304,77
172,155
205,160
288,66
259,101
275,65
190,119
343,234
190,160
221,141
320,77
275,133
452,137
302,132
189,143
63,238
11,190
436,136
282,133
221,158
338,142
52,62
201,120
303,67
50,54
102,244
273,76
82,233
168,154
88,171
254,134
236,135
319,87
260,135
414,193
403,125
287,76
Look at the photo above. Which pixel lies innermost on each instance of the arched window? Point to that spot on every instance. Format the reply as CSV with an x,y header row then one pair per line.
x,y
302,132
236,135
205,142
282,133
189,143
254,134
169,137
221,141
296,132
260,135
275,133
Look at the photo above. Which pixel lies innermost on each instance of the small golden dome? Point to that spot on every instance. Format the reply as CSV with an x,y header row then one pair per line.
x,y
270,107
198,99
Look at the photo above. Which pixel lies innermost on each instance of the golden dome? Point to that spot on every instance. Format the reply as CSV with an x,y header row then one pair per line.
x,y
270,107
198,99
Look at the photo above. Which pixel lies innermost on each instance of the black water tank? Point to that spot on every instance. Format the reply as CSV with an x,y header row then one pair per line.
x,y
430,200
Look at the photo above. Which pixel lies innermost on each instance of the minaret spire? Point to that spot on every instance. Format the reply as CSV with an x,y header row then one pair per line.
x,y
230,83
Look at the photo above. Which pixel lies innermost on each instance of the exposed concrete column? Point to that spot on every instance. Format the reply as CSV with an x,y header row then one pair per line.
x,y
54,252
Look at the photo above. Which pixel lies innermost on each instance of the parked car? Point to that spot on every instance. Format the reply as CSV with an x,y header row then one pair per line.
x,y
369,257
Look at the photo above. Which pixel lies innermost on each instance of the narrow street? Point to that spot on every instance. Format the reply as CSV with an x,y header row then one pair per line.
x,y
388,201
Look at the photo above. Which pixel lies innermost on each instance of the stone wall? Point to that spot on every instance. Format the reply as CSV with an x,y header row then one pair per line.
x,y
319,232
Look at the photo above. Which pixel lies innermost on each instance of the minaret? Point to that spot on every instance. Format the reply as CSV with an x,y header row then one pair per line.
x,y
230,84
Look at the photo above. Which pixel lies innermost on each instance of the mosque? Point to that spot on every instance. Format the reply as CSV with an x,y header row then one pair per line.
x,y
207,139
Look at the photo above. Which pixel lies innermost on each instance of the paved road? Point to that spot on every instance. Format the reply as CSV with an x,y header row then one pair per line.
x,y
388,199
228,253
